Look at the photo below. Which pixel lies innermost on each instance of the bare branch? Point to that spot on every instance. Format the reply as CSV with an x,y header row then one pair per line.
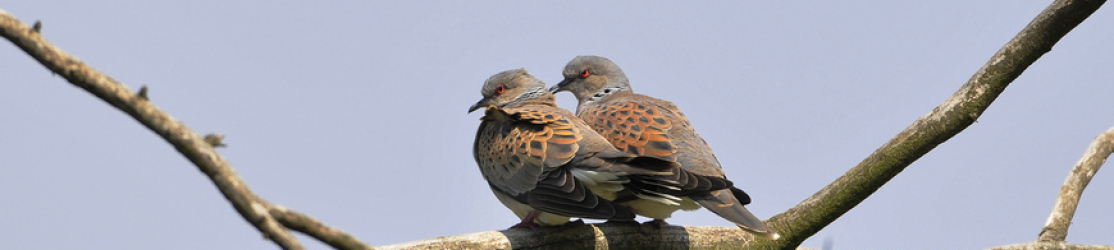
x,y
1038,245
194,147
309,226
590,236
944,122
1056,228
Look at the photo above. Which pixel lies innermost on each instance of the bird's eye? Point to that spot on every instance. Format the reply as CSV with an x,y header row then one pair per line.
x,y
585,73
500,89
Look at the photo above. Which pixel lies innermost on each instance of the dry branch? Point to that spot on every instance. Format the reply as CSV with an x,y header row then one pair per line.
x,y
316,229
945,121
1037,245
1056,228
591,236
194,147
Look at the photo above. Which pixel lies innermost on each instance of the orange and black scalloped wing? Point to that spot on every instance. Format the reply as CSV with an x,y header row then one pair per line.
x,y
633,127
523,152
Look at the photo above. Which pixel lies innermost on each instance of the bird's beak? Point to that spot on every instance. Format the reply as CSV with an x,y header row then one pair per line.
x,y
480,104
560,86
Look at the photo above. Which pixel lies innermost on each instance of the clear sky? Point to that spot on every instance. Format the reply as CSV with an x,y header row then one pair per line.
x,y
354,113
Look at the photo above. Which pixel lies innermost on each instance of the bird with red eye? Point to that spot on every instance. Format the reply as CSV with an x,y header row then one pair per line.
x,y
651,127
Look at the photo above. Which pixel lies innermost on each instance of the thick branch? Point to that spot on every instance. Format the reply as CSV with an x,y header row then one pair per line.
x,y
944,122
195,148
591,236
1038,245
1056,228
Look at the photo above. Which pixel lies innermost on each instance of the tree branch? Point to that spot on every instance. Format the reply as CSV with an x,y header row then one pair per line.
x,y
194,147
1051,246
1056,228
945,121
314,228
591,236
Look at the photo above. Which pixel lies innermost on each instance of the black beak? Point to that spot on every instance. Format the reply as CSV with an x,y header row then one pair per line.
x,y
480,104
560,86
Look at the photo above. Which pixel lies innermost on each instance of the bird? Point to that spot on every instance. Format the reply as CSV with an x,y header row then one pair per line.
x,y
547,166
648,126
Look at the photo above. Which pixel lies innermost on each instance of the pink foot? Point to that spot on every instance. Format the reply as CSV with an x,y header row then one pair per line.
x,y
528,222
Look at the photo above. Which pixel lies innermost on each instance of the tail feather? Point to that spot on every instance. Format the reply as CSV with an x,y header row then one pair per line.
x,y
723,203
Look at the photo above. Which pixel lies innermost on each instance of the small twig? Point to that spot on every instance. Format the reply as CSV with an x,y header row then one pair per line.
x,y
142,92
1056,228
216,140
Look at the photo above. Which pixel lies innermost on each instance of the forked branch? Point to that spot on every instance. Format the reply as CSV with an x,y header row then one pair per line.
x,y
945,121
194,147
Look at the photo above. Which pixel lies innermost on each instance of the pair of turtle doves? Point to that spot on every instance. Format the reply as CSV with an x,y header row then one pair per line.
x,y
622,154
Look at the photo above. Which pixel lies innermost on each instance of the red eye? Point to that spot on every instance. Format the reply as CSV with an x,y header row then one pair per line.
x,y
500,89
585,73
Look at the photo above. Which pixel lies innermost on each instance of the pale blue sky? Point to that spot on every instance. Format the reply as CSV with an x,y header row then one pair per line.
x,y
354,113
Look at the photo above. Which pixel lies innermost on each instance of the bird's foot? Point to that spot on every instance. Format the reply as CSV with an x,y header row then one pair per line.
x,y
528,222
657,223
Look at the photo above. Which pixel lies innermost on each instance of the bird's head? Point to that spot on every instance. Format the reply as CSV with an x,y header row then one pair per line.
x,y
586,76
511,87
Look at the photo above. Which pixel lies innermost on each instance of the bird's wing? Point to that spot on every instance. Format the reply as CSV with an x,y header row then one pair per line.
x,y
632,127
523,152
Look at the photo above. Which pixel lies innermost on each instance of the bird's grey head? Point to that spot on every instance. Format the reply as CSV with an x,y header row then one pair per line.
x,y
592,77
510,87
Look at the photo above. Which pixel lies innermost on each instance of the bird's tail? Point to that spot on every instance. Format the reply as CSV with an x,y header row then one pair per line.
x,y
723,203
